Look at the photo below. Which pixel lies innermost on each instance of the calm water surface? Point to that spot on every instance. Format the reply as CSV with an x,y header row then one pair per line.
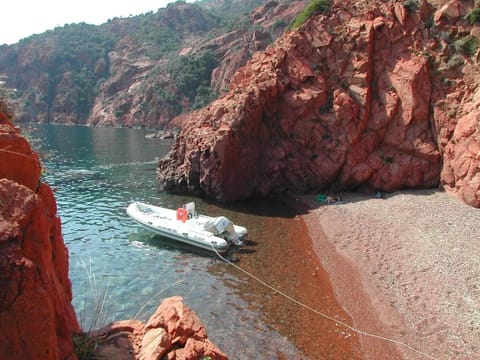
x,y
96,173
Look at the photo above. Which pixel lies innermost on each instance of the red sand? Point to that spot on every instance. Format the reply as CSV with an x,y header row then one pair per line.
x,y
289,264
406,267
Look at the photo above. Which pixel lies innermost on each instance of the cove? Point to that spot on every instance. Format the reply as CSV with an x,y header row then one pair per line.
x,y
97,172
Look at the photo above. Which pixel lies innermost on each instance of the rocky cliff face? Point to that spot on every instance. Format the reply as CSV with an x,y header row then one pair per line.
x,y
375,95
37,320
235,48
131,95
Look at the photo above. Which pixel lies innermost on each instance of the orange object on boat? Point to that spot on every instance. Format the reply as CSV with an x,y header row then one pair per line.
x,y
182,214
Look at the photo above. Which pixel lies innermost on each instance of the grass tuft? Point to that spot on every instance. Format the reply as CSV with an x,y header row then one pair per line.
x,y
85,346
473,16
315,7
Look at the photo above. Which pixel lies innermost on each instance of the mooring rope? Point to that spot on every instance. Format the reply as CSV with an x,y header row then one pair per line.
x,y
5,150
358,331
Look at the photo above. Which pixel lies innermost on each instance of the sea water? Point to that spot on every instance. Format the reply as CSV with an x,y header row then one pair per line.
x,y
119,270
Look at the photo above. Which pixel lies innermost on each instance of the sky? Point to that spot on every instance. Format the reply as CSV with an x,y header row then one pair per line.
x,y
22,18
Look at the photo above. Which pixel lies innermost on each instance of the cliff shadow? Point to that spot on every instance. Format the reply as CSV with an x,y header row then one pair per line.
x,y
307,202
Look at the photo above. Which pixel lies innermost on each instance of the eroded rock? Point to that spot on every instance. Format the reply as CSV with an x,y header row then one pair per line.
x,y
174,332
37,319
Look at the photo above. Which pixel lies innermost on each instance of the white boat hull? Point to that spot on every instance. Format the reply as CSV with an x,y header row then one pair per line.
x,y
164,222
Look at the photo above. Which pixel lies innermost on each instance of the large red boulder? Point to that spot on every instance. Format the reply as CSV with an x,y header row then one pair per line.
x,y
18,161
37,319
173,332
461,170
351,99
315,111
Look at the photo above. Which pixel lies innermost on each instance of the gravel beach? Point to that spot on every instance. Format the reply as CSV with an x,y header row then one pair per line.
x,y
406,267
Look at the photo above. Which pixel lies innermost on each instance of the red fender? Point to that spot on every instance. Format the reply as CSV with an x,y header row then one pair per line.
x,y
182,214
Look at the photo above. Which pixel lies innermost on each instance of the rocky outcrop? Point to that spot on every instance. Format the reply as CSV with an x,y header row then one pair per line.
x,y
352,99
235,48
139,104
173,332
139,91
456,104
37,319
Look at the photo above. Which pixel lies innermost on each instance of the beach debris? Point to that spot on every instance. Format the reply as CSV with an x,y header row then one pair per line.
x,y
327,199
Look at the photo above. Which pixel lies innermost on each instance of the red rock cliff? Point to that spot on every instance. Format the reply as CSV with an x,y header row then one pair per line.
x,y
37,319
369,95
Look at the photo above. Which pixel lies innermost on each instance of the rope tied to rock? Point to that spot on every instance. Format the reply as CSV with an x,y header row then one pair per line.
x,y
5,150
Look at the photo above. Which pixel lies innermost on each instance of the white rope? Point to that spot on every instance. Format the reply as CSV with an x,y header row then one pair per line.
x,y
358,331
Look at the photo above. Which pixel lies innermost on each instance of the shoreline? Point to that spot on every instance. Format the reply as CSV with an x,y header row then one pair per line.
x,y
412,260
286,260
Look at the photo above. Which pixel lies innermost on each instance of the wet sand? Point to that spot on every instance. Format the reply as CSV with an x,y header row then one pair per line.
x,y
406,267
285,259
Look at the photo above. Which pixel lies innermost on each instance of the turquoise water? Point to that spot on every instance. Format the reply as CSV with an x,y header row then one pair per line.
x,y
120,271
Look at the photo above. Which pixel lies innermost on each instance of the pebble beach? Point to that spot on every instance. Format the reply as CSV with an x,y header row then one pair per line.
x,y
406,268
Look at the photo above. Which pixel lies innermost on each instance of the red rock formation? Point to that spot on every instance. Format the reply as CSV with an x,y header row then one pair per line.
x,y
457,110
19,162
37,319
344,102
235,48
173,332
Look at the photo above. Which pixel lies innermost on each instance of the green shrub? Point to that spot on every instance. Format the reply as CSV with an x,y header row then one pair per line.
x,y
192,74
315,7
454,61
85,346
6,94
468,45
411,5
473,16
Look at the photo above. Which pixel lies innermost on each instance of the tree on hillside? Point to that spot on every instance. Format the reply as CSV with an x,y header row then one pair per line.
x,y
6,95
192,75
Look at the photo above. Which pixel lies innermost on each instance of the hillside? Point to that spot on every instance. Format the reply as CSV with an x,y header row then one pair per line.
x,y
139,71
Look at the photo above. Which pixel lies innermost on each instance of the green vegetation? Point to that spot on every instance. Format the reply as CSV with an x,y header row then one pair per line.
x,y
6,95
454,61
468,45
411,5
473,16
96,299
161,39
204,96
78,55
71,63
315,7
387,160
85,346
192,76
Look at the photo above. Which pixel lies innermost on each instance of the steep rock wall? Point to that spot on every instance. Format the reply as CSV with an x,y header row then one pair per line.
x,y
37,319
349,100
